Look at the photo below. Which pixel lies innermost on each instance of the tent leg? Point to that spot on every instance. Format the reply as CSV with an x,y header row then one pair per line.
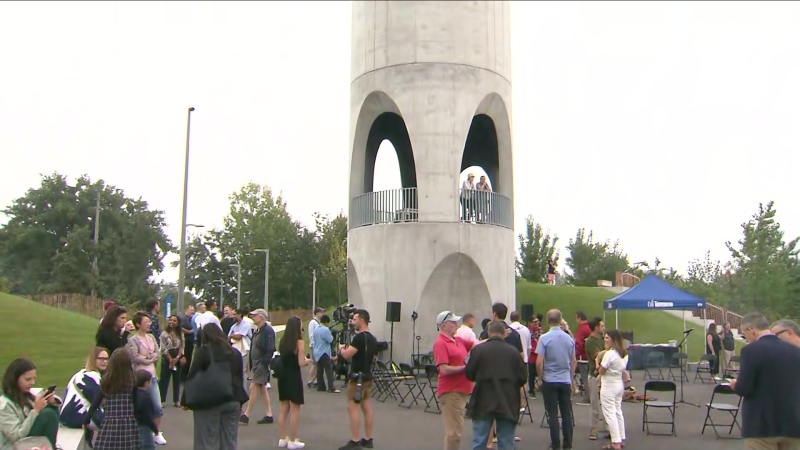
x,y
616,313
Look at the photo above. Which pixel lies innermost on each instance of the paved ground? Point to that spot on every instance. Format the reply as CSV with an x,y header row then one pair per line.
x,y
324,425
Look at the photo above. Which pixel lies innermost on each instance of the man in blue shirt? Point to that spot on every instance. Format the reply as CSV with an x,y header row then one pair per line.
x,y
322,340
556,364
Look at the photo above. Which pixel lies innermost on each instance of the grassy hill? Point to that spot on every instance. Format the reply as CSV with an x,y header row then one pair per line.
x,y
57,341
654,327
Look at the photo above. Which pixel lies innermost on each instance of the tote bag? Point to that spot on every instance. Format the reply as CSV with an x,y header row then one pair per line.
x,y
33,443
211,387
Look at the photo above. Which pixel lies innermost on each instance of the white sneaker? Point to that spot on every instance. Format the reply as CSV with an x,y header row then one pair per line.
x,y
269,386
159,439
283,443
296,444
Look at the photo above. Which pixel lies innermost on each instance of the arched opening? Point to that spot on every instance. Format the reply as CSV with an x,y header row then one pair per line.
x,y
387,168
480,148
353,286
392,128
456,284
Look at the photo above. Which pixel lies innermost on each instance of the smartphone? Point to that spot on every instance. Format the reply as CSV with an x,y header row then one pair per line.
x,y
50,389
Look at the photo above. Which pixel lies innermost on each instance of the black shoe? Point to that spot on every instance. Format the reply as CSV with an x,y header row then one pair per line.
x,y
351,445
366,443
244,420
266,419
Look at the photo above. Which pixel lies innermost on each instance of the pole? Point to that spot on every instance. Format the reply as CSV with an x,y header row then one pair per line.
x,y
221,286
239,286
96,235
313,290
182,269
266,280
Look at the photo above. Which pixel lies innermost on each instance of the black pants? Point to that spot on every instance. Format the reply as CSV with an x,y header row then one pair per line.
x,y
324,369
557,397
531,378
163,382
188,350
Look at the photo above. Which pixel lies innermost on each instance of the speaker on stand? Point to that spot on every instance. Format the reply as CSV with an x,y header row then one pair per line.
x,y
527,312
392,316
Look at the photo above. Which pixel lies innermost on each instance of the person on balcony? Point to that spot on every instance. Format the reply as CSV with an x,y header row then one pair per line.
x,y
483,202
468,198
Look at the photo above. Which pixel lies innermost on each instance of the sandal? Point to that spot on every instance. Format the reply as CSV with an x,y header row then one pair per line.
x,y
592,436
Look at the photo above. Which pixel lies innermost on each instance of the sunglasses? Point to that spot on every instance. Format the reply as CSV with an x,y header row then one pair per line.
x,y
102,358
780,332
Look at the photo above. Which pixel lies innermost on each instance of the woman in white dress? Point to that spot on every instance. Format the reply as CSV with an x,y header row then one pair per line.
x,y
612,368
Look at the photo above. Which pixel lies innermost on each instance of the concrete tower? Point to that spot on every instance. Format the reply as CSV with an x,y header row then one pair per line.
x,y
434,78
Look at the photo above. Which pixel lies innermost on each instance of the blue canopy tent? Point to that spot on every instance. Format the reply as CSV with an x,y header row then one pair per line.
x,y
655,293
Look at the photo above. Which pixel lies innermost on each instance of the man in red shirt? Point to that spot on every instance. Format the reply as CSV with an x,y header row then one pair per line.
x,y
450,353
583,332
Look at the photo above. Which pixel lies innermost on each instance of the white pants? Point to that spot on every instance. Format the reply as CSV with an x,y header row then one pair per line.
x,y
611,402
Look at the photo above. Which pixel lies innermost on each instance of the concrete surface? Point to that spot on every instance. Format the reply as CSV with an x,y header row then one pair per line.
x,y
324,425
440,67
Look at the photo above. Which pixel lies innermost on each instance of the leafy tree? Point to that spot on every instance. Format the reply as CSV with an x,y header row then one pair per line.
x,y
765,266
331,250
707,279
642,269
48,246
536,247
591,261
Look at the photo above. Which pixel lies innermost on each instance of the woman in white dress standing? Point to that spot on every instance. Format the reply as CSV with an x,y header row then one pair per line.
x,y
612,386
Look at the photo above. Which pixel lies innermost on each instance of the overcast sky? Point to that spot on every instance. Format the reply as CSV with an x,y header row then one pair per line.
x,y
659,124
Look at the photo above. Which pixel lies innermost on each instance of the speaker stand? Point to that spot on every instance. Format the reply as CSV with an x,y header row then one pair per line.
x,y
391,341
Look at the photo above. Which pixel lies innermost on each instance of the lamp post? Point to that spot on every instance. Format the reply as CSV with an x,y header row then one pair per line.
x,y
95,272
221,286
313,290
182,267
266,277
238,284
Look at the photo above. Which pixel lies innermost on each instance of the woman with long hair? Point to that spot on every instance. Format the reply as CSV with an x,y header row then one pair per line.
x,y
216,426
82,389
290,383
144,354
23,415
612,386
713,347
119,430
172,344
114,329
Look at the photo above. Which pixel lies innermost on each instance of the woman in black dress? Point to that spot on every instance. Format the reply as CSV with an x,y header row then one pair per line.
x,y
713,347
290,383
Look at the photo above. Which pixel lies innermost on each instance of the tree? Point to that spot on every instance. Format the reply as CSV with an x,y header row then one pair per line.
x,y
536,247
642,269
765,274
331,251
591,261
48,246
707,279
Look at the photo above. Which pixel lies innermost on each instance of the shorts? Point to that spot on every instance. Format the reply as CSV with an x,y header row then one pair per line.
x,y
261,374
366,388
551,277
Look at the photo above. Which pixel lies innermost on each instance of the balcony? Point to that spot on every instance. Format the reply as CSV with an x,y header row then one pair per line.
x,y
400,206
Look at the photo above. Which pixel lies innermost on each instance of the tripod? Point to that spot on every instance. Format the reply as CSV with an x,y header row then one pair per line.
x,y
683,373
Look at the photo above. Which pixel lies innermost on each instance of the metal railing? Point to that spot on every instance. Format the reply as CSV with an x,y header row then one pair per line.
x,y
392,206
486,208
400,206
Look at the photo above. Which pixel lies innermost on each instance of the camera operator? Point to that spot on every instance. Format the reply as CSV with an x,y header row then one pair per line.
x,y
361,353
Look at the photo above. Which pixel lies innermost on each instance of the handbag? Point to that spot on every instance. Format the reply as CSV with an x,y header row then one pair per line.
x,y
210,387
33,443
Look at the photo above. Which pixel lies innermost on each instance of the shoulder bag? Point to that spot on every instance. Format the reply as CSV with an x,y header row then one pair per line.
x,y
210,387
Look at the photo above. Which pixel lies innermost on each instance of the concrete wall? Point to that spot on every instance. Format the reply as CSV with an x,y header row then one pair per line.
x,y
436,65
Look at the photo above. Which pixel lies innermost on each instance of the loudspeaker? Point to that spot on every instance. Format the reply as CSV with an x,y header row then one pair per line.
x,y
526,313
393,311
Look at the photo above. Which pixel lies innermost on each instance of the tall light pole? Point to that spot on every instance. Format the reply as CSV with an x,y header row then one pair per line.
x,y
182,269
238,284
266,277
313,290
221,286
95,271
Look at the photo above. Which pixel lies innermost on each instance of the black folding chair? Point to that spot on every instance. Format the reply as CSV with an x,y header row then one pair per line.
x,y
733,371
665,387
704,368
655,360
546,417
730,408
678,361
525,412
416,388
433,377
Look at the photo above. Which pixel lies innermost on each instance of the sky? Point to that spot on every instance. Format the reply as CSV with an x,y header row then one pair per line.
x,y
661,125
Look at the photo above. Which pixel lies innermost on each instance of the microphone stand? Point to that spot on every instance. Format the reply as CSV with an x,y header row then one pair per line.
x,y
683,375
414,357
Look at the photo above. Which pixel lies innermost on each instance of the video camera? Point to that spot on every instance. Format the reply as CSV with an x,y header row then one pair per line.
x,y
343,313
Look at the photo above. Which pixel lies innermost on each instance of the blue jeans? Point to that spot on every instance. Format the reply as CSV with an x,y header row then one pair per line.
x,y
146,438
155,395
505,433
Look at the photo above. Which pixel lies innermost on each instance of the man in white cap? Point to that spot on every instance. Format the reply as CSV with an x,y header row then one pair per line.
x,y
450,354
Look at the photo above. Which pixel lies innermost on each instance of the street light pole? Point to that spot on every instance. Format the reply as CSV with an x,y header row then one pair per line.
x,y
95,271
313,290
221,286
266,277
182,269
238,284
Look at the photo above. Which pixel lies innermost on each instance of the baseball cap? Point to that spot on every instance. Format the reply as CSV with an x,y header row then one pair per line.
x,y
259,312
447,316
318,310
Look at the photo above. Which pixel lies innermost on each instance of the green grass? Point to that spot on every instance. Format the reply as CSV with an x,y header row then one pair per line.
x,y
57,341
653,327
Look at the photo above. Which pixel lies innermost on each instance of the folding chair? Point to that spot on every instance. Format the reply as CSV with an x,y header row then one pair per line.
x,y
526,412
704,367
655,360
678,361
415,387
381,382
432,375
730,408
545,418
659,386
733,371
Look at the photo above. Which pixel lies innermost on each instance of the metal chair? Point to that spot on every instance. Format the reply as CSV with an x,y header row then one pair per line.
x,y
526,412
433,377
730,408
704,367
659,386
655,360
546,417
733,372
678,361
416,388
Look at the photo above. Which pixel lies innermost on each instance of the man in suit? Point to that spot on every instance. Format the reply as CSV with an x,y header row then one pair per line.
x,y
767,382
